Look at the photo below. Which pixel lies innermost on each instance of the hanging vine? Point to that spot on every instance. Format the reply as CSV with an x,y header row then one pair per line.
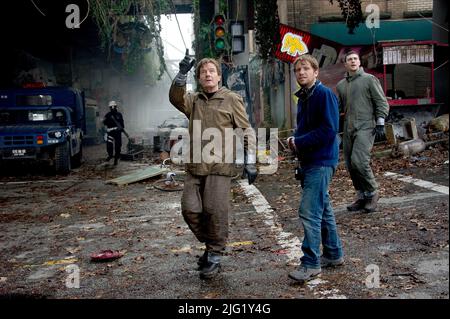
x,y
203,30
267,25
131,28
352,13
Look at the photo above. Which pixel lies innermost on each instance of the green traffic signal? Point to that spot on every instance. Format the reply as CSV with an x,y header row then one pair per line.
x,y
220,44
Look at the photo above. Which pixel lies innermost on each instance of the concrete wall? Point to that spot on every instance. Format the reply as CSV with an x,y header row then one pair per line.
x,y
419,5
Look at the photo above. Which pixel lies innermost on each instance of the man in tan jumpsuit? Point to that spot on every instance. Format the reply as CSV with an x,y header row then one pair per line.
x,y
205,199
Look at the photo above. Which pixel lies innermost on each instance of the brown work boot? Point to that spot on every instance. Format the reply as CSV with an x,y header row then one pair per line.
x,y
371,203
358,204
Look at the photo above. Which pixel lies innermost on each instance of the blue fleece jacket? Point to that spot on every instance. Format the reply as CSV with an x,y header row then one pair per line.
x,y
316,136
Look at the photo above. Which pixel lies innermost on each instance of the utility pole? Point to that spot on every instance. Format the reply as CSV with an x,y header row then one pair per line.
x,y
216,6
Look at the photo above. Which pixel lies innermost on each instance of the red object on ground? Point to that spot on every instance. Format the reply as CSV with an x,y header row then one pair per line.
x,y
106,255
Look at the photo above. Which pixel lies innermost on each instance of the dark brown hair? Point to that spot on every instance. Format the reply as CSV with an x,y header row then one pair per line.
x,y
349,53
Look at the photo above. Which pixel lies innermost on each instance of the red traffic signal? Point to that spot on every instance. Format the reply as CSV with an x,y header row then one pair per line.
x,y
219,20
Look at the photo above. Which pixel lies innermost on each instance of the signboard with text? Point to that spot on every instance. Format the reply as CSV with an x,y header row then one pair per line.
x,y
408,54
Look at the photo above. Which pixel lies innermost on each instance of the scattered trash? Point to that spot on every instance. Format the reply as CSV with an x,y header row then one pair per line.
x,y
440,123
65,215
73,250
419,158
408,148
139,258
185,249
281,251
137,176
106,255
68,260
242,243
169,184
3,279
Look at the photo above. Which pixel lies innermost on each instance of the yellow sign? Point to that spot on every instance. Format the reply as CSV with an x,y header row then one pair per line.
x,y
293,45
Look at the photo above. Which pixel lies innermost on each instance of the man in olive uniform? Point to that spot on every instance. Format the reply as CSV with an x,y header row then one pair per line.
x,y
205,199
114,126
365,107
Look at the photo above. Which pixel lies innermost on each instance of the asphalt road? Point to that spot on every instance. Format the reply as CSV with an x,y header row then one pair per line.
x,y
49,226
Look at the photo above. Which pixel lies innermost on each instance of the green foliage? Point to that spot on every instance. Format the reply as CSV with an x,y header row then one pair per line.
x,y
204,36
352,13
267,25
131,28
203,42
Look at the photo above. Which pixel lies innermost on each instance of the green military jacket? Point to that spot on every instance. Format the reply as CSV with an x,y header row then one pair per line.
x,y
362,100
224,110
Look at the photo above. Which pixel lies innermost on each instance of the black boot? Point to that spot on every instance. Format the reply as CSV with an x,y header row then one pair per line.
x,y
202,260
116,160
211,267
371,203
358,204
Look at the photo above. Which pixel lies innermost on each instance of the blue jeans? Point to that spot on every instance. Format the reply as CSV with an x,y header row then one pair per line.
x,y
317,217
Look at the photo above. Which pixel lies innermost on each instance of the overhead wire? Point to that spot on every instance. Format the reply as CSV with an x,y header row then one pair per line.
x,y
174,10
432,22
178,23
37,8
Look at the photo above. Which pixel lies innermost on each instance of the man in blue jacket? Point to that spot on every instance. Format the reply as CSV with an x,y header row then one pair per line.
x,y
316,144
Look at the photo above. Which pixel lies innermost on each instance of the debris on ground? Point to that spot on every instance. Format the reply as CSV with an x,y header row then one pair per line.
x,y
139,175
440,123
106,255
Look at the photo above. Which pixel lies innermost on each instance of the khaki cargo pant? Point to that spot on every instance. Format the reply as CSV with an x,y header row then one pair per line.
x,y
205,207
357,146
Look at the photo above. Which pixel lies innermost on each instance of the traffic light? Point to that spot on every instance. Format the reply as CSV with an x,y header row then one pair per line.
x,y
220,42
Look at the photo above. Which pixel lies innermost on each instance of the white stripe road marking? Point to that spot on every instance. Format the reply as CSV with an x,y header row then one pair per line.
x,y
286,240
396,200
418,182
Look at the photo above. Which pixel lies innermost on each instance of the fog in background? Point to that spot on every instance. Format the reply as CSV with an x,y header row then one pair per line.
x,y
144,106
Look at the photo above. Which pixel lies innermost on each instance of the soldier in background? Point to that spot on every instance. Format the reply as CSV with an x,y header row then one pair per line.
x,y
114,126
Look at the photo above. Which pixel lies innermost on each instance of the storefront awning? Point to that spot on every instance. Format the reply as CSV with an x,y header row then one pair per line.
x,y
417,30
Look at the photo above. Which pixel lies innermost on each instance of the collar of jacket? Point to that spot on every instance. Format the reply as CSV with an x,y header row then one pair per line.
x,y
356,75
310,90
219,94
